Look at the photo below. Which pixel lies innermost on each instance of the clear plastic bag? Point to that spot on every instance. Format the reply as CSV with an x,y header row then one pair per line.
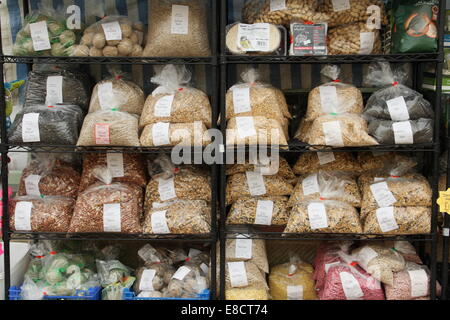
x,y
405,132
108,207
333,97
406,249
187,282
323,217
382,161
30,290
246,249
292,281
278,166
150,278
117,93
113,128
49,176
312,162
74,87
252,287
238,186
183,36
161,167
53,125
112,271
41,214
112,36
125,167
355,38
175,134
326,185
174,100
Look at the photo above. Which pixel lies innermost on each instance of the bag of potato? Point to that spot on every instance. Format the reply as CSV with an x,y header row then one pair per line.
x,y
187,282
312,162
333,97
355,38
174,100
292,281
112,36
326,185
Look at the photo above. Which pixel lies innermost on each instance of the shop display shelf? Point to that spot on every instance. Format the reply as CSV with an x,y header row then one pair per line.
x,y
129,295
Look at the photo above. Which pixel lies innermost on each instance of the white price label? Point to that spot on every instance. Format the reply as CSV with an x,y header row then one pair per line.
x,y
163,107
383,196
264,212
146,253
253,37
352,289
193,253
317,215
255,182
32,185
310,185
295,292
365,255
22,216
403,133
146,283
397,109
386,219
419,283
245,127
180,19
241,100
112,31
181,273
101,133
166,189
39,36
114,162
204,268
159,222
30,127
112,217
238,274
340,5
333,134
325,157
243,248
160,134
276,5
329,265
366,40
105,96
54,90
328,99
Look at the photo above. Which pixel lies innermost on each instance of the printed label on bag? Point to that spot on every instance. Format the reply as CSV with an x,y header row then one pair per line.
x,y
328,99
146,253
30,127
317,215
255,182
403,133
245,127
193,253
419,283
310,185
366,255
367,40
241,100
204,268
295,292
147,277
105,96
276,5
340,5
382,194
238,274
111,217
180,19
54,90
329,265
181,273
352,289
264,212
398,109
333,134
325,157
112,31
253,37
159,222
163,107
386,219
39,36
22,216
102,133
114,162
243,248
32,185
166,189
160,134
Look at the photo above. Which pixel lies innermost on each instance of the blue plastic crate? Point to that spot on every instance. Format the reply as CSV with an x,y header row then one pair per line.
x,y
93,293
130,295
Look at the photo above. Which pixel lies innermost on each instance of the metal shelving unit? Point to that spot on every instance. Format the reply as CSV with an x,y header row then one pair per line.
x,y
5,148
297,147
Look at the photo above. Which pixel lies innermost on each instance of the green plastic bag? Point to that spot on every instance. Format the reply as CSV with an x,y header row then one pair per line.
x,y
414,26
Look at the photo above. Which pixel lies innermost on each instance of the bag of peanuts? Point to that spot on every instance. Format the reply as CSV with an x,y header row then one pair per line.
x,y
112,36
355,38
312,162
175,134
